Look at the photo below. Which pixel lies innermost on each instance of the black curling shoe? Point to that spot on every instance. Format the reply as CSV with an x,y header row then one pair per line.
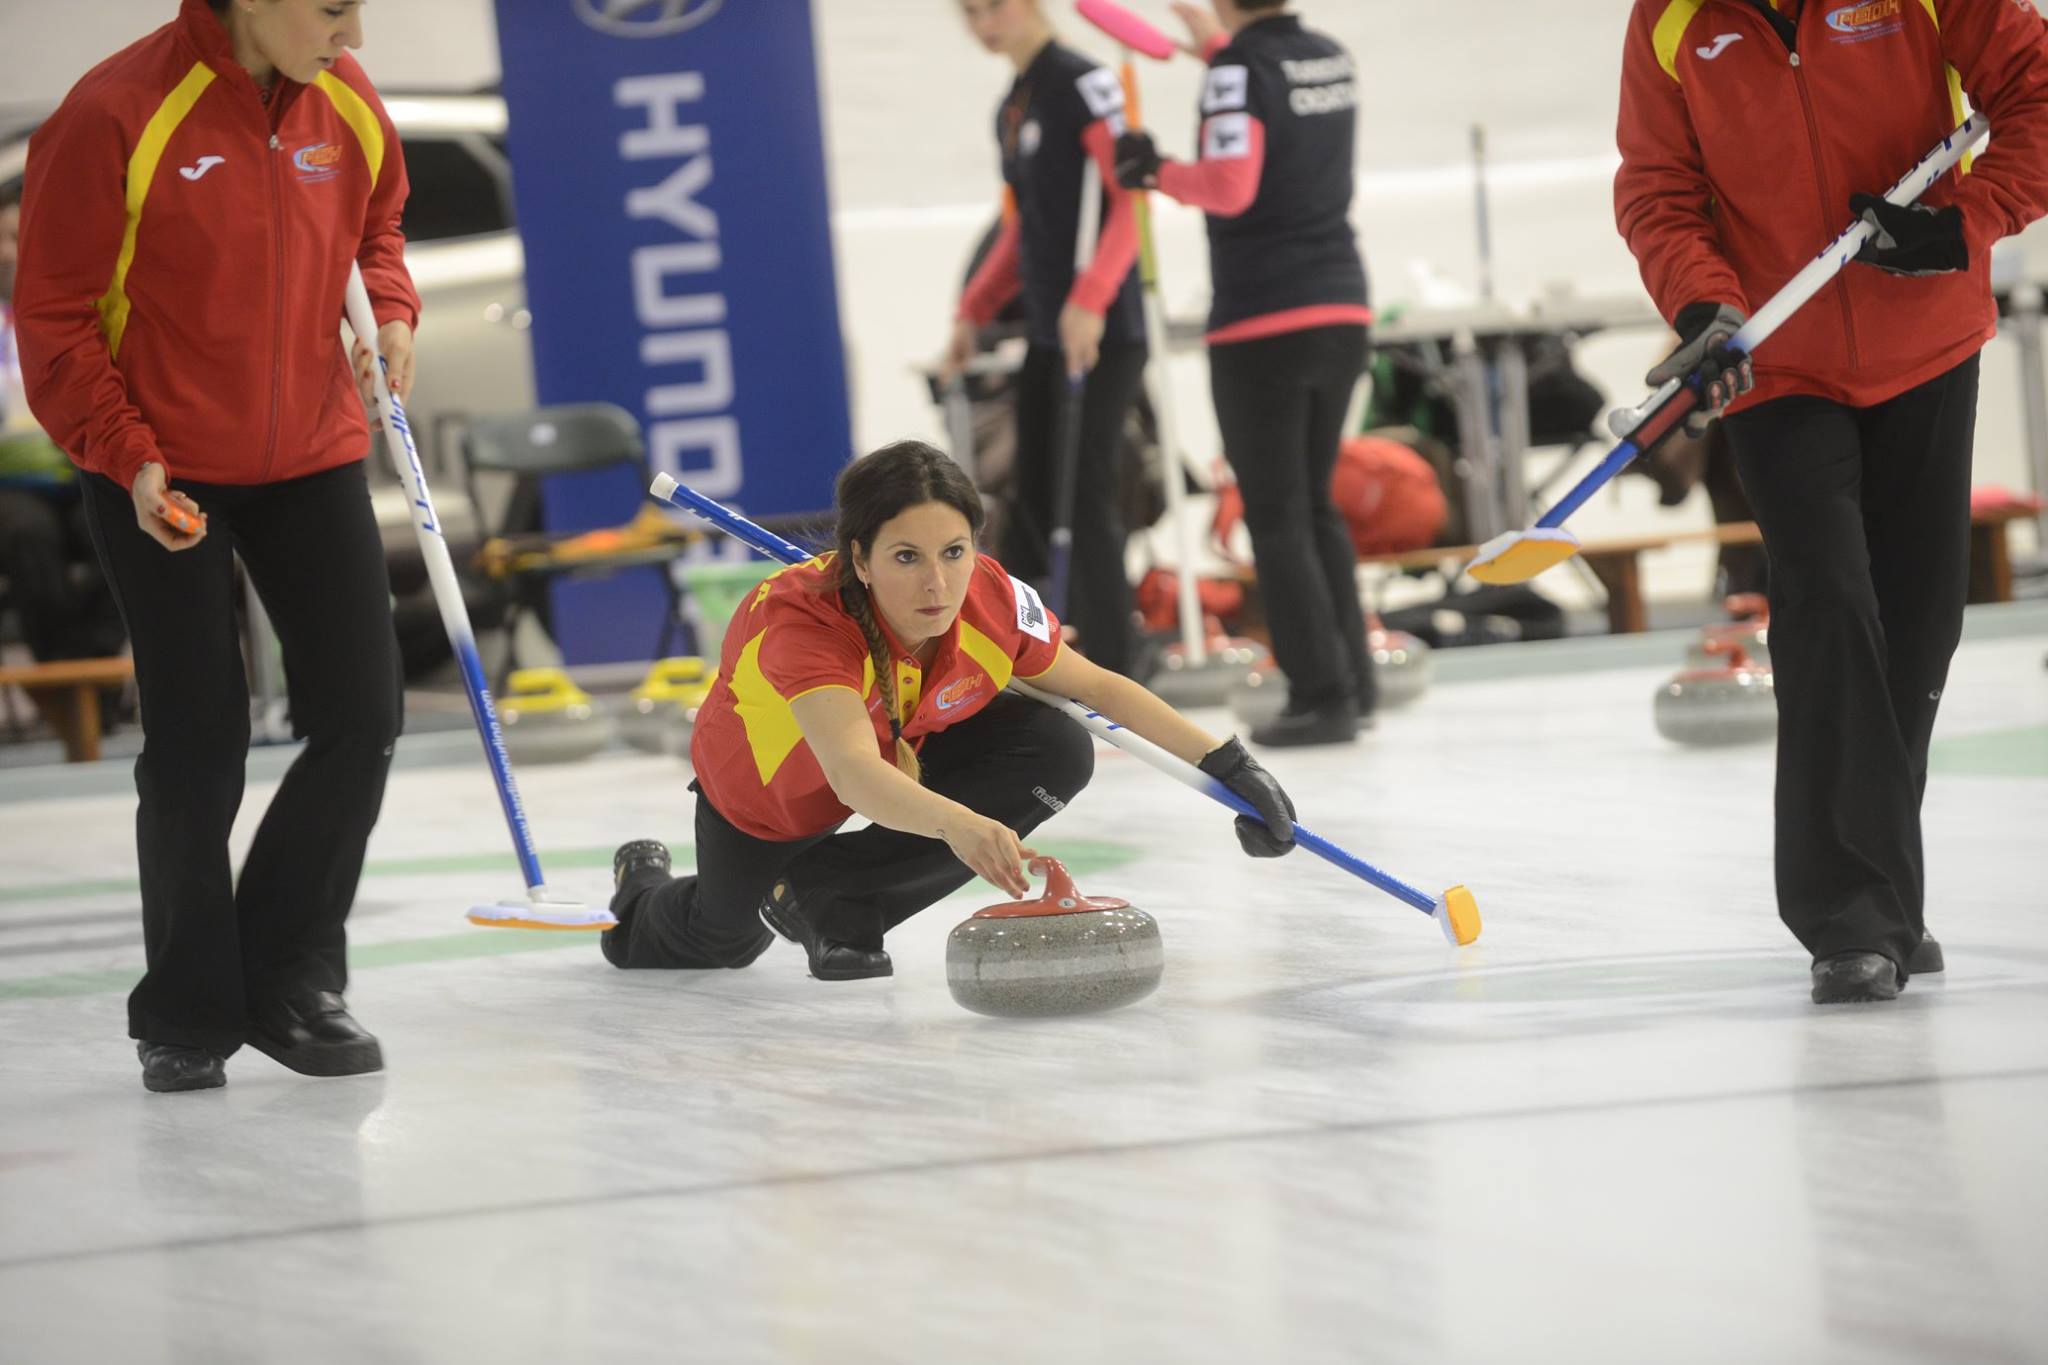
x,y
641,855
1926,958
313,1034
1336,723
167,1067
782,911
1855,979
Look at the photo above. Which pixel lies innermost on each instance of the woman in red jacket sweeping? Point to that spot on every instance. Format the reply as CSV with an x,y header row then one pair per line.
x,y
190,216
1751,131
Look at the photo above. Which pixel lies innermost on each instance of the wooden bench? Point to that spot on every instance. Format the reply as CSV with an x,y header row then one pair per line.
x,y
67,693
1618,563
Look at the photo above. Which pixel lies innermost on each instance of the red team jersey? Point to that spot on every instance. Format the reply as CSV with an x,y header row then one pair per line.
x,y
793,637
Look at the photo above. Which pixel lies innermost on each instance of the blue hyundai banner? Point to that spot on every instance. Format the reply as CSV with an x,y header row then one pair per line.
x,y
669,167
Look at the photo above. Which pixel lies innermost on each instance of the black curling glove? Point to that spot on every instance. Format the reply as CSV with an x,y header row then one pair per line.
x,y
1137,161
1911,239
1229,764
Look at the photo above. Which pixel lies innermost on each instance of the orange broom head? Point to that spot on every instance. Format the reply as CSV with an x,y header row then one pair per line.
x,y
1519,556
1460,912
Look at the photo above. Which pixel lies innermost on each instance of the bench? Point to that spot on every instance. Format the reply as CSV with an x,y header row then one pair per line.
x,y
1618,563
67,693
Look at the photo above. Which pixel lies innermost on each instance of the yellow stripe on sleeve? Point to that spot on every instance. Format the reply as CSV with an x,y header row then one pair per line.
x,y
1670,33
356,112
142,163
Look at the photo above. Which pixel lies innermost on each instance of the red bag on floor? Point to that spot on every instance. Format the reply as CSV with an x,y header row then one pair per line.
x,y
1159,606
1387,494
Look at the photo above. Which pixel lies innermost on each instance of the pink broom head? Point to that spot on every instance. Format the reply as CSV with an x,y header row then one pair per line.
x,y
1127,28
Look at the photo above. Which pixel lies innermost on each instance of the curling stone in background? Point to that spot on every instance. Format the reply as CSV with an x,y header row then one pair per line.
x,y
1179,681
1401,663
549,719
1063,953
1261,697
1749,626
661,712
1730,703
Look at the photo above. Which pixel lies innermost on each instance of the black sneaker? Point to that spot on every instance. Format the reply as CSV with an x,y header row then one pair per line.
x,y
782,911
1334,723
1855,979
642,855
313,1034
166,1067
1926,959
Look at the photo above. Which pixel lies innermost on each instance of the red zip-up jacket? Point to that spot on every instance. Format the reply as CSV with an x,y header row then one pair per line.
x,y
1739,156
184,252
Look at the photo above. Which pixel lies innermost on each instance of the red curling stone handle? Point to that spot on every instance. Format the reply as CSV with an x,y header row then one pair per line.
x,y
1061,896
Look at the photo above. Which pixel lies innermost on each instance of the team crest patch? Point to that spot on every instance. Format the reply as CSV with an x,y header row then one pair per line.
x,y
1031,612
1225,89
1867,19
316,162
1103,92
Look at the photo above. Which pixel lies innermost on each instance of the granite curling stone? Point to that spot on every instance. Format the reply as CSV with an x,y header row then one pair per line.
x,y
1749,625
661,713
1401,663
1180,681
546,718
1063,953
1732,703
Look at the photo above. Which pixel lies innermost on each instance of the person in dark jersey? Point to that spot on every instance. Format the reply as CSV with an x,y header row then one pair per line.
x,y
870,680
1288,330
1057,125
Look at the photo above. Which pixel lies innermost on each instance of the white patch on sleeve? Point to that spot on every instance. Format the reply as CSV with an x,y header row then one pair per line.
x,y
1103,92
1225,89
1031,617
1227,137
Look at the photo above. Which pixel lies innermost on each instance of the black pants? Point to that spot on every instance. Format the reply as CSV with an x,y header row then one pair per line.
x,y
1280,403
217,948
63,615
1015,761
1866,518
1099,602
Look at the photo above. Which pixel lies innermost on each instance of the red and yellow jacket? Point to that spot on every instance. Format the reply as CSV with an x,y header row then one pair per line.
x,y
794,637
184,251
1740,152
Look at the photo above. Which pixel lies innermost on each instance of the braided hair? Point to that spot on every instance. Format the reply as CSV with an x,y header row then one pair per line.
x,y
871,491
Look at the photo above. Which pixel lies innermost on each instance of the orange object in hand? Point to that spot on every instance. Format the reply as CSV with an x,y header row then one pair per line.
x,y
179,520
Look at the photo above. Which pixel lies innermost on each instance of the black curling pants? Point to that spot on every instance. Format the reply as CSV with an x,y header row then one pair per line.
x,y
218,948
1099,587
1014,761
1280,404
1866,518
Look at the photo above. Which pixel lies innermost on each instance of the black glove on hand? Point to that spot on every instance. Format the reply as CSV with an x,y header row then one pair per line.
x,y
1229,764
1911,239
1137,161
1716,372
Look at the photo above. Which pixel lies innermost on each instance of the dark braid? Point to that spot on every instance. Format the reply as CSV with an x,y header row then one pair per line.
x,y
862,608
871,491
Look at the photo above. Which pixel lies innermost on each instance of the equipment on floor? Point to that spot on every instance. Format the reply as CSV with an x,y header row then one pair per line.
x,y
542,908
1731,702
1061,953
1749,625
660,714
1401,663
549,719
